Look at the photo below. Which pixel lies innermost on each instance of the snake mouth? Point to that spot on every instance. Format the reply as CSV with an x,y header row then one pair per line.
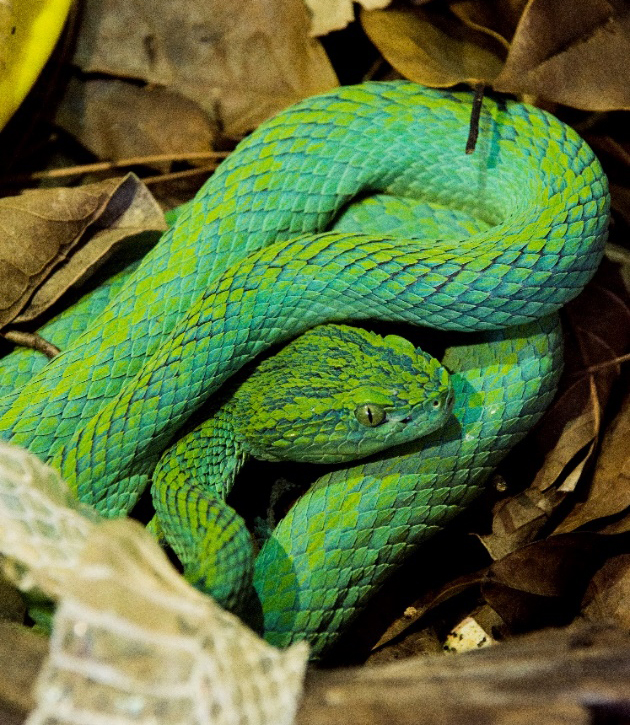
x,y
442,406
415,422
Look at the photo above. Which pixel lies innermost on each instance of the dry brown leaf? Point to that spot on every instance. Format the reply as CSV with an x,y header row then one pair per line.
x,y
423,641
117,120
430,45
240,62
517,520
475,631
140,213
327,15
609,492
601,325
495,17
574,447
43,228
621,256
571,53
541,584
608,594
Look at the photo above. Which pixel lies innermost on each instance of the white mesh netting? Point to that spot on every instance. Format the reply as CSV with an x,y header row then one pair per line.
x,y
132,642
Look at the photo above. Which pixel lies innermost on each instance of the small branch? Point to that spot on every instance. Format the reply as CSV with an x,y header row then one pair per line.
x,y
615,361
577,675
475,114
178,175
33,341
108,165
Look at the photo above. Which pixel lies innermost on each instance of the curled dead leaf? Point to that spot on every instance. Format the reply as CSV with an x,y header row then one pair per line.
x,y
54,238
609,492
471,633
571,53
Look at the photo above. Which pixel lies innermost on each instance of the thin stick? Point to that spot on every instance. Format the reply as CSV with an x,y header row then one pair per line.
x,y
609,363
474,118
107,165
179,174
33,341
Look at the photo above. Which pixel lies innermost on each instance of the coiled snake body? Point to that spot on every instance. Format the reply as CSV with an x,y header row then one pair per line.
x,y
250,264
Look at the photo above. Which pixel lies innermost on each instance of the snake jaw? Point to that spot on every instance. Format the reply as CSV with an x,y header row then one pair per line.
x,y
424,417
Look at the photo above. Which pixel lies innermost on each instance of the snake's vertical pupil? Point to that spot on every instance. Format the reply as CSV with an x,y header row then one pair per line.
x,y
370,415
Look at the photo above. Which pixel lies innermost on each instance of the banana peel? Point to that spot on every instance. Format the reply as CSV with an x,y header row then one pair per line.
x,y
29,30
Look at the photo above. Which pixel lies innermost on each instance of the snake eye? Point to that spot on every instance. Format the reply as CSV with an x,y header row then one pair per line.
x,y
437,403
369,414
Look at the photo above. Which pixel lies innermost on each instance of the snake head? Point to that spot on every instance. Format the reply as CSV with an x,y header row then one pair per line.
x,y
340,393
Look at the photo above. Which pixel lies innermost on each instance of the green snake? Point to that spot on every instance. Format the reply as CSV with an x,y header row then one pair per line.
x,y
251,263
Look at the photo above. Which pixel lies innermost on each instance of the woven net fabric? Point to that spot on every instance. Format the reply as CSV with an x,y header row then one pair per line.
x,y
132,642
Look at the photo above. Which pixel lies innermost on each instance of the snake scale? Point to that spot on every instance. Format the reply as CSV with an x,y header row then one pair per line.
x,y
252,262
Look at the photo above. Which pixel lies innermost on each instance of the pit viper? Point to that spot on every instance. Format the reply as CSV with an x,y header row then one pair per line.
x,y
253,262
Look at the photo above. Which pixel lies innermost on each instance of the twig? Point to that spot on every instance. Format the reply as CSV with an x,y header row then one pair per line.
x,y
577,675
179,174
33,341
609,363
108,165
474,118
